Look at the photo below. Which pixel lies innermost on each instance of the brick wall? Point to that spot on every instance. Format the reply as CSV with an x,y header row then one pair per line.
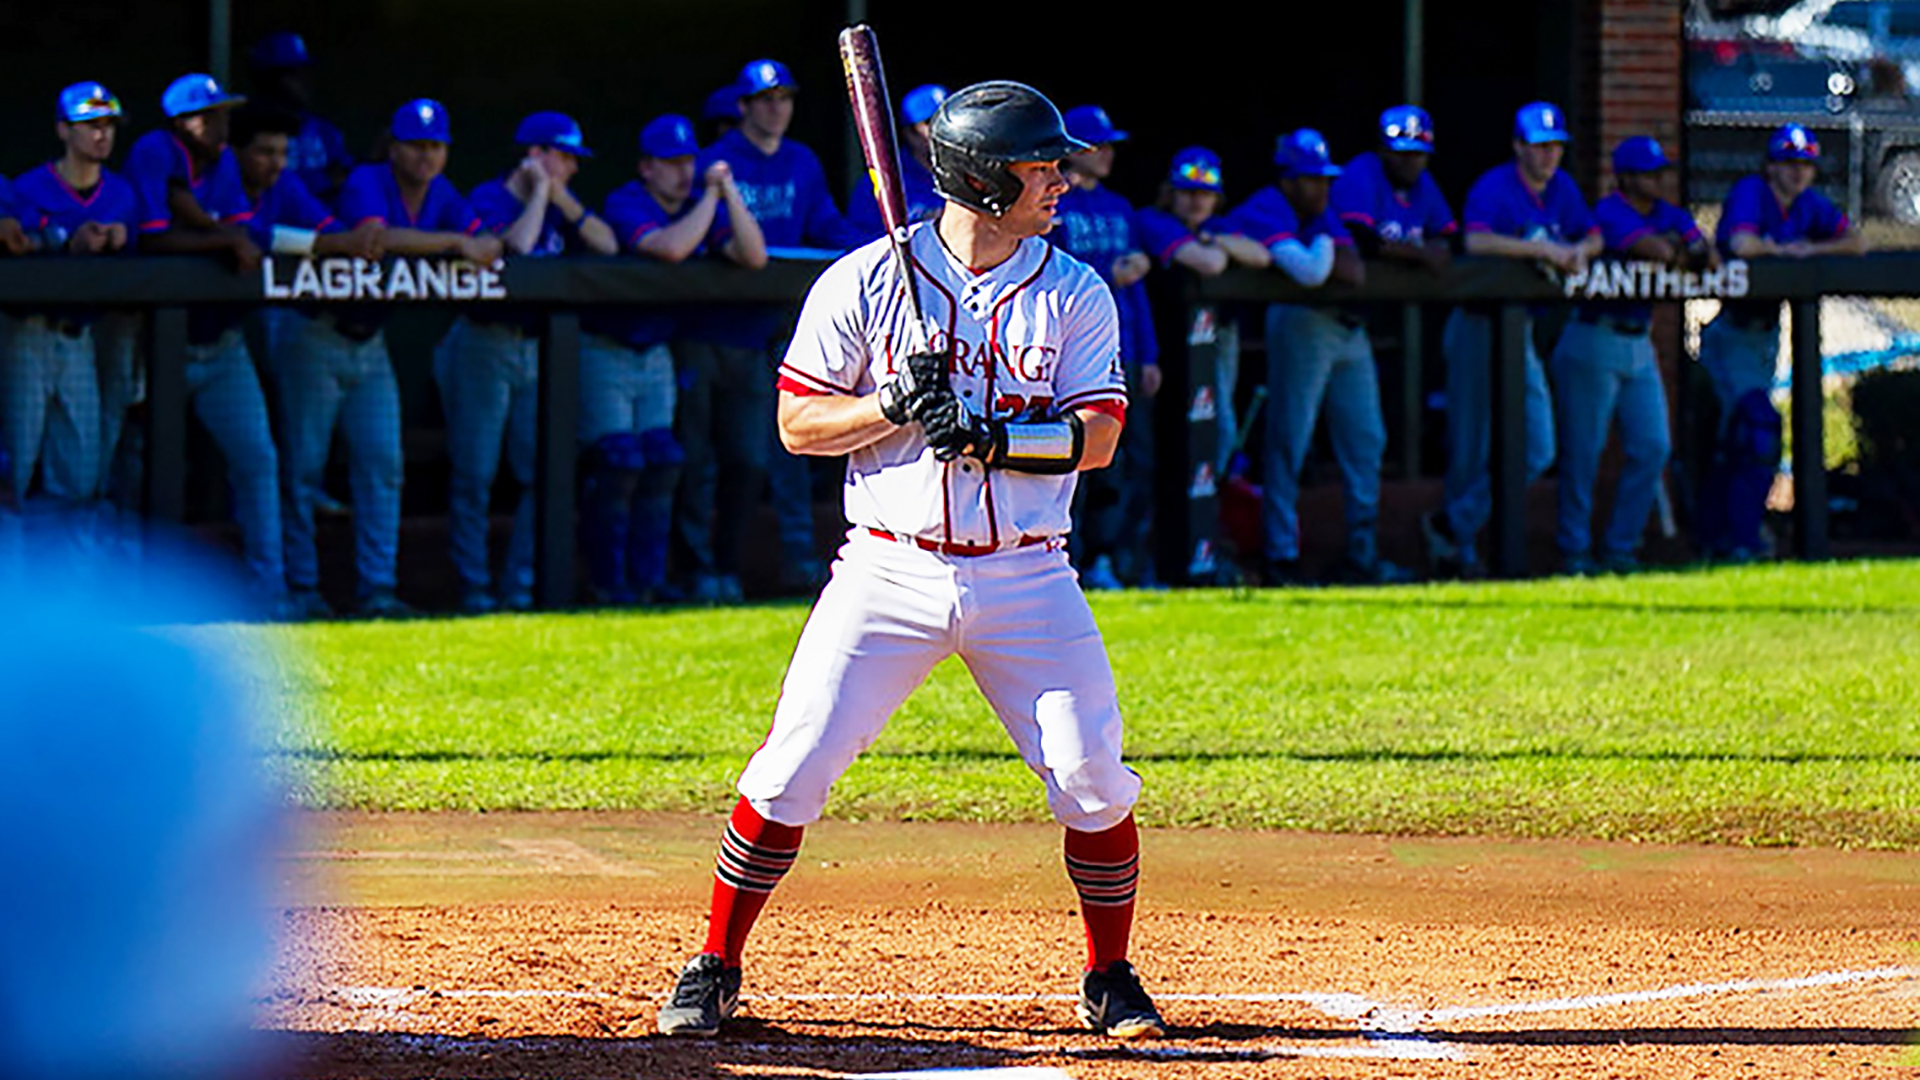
x,y
1636,59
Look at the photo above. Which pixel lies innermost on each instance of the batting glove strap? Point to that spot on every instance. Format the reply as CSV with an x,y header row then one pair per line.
x,y
896,400
1049,448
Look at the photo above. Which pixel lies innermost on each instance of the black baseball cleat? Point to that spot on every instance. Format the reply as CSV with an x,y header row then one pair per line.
x,y
707,993
1114,1002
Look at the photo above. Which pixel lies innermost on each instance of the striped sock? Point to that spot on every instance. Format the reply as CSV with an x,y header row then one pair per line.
x,y
1105,870
754,855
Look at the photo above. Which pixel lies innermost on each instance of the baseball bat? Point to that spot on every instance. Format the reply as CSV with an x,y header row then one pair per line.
x,y
873,121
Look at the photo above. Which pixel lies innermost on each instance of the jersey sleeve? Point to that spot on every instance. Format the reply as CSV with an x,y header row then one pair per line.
x,y
1483,211
1620,227
1091,373
361,200
828,351
1329,224
1829,222
1161,234
1266,219
626,214
822,225
496,207
150,169
454,212
1352,198
1570,210
300,208
225,196
1436,217
1741,212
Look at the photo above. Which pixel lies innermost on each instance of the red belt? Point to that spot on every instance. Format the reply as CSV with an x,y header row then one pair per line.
x,y
947,548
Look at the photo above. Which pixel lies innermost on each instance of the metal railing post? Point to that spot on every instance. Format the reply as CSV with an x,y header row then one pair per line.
x,y
1808,398
1507,454
553,544
166,473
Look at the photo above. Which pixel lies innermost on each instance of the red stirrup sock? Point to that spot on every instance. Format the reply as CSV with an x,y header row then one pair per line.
x,y
1105,869
754,855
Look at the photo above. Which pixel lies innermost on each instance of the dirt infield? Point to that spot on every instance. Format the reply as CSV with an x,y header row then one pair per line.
x,y
540,945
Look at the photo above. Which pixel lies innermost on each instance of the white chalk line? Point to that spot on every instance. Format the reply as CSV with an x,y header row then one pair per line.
x,y
1392,1032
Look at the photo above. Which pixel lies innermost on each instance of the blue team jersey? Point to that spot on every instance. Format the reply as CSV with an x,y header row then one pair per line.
x,y
372,194
1621,227
632,212
41,199
6,200
1269,218
158,157
923,202
288,203
1752,207
1362,196
1096,226
786,192
498,208
1500,202
1162,235
315,152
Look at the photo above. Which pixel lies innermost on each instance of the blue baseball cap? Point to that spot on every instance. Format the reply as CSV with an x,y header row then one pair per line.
x,y
195,93
1793,142
1639,154
763,75
1304,153
422,120
281,49
1195,169
1540,122
1407,128
668,136
922,102
556,131
723,104
1091,125
87,101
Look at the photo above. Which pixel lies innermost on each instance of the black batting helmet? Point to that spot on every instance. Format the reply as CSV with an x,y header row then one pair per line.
x,y
980,131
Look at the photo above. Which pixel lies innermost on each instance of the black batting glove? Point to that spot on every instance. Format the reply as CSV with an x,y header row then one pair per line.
x,y
922,381
950,429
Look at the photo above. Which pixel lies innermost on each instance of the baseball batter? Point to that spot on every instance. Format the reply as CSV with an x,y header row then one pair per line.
x,y
962,460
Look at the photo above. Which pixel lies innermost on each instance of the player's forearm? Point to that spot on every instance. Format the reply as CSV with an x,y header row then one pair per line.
x,y
1245,252
748,245
597,235
1102,439
418,242
1348,269
1204,259
1506,247
1850,244
830,425
676,242
1591,245
525,230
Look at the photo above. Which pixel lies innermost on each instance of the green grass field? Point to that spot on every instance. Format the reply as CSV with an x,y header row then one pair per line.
x,y
1766,705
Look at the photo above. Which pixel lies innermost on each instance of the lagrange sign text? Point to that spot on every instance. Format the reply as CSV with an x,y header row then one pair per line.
x,y
402,279
1656,281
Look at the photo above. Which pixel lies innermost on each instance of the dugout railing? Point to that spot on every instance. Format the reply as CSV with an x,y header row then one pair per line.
x,y
165,287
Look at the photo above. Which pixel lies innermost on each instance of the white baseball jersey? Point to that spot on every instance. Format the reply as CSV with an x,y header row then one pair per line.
x,y
1032,338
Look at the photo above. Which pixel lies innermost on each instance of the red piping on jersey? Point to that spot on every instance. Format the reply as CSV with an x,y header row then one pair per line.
x,y
953,328
993,372
75,195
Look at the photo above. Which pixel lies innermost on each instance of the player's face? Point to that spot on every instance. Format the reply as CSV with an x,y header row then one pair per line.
x,y
561,165
1041,185
1097,162
668,180
420,161
206,131
1403,167
1539,160
1646,186
89,140
1791,177
1308,194
769,112
1193,206
263,160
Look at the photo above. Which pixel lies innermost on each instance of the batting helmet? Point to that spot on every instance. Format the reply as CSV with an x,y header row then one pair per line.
x,y
980,132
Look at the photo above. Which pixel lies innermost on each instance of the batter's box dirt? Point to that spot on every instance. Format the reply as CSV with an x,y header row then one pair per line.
x,y
1328,957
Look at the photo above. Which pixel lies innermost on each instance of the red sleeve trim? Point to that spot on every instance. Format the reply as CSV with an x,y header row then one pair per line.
x,y
1107,407
1089,398
799,382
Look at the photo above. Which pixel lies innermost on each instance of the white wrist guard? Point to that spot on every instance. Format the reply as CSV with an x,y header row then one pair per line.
x,y
289,241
